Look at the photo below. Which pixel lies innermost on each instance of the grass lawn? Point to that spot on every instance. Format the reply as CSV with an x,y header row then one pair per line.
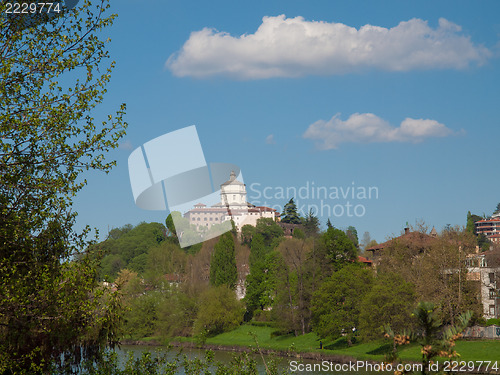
x,y
478,350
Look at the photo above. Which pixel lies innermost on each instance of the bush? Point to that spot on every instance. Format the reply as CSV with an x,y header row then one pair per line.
x,y
219,311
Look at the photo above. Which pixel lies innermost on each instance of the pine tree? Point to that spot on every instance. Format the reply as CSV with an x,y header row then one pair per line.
x,y
223,269
290,213
329,224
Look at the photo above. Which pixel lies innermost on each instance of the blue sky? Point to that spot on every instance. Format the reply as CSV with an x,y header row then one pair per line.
x,y
399,95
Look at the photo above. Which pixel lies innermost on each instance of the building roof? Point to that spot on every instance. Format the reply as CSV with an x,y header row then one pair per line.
x,y
491,220
232,180
410,237
364,260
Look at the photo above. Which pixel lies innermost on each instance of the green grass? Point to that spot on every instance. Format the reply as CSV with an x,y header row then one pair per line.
x,y
479,350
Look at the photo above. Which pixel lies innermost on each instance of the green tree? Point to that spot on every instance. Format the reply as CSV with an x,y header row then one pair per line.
x,y
311,224
352,233
390,301
223,269
270,230
219,311
336,306
290,215
247,233
259,282
329,224
53,73
497,210
337,248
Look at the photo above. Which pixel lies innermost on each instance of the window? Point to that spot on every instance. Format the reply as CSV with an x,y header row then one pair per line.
x,y
211,219
493,294
234,197
492,310
492,277
198,219
205,219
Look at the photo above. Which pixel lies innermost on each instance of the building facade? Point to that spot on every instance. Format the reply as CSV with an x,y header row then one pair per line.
x,y
483,268
233,205
489,227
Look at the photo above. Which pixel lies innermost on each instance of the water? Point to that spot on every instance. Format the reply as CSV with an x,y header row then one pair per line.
x,y
285,365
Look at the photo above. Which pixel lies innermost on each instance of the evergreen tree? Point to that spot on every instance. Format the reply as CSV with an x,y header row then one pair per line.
x,y
497,209
311,224
290,213
352,233
329,224
470,224
223,269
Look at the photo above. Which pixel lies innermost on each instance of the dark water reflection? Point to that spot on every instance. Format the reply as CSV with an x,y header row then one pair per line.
x,y
225,357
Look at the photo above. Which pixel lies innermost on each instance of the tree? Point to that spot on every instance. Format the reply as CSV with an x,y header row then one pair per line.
x,y
292,305
223,270
247,233
336,306
390,301
270,230
337,248
497,210
310,224
437,269
352,233
435,338
366,240
329,224
219,311
290,213
471,220
52,75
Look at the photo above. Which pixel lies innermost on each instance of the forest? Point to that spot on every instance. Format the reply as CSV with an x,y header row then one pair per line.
x,y
309,282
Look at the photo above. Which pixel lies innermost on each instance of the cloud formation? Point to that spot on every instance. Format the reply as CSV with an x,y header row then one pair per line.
x,y
369,128
294,47
270,139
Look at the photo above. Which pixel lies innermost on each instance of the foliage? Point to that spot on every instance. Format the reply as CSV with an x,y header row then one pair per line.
x,y
290,215
352,233
390,301
299,234
310,224
223,269
247,233
127,247
329,224
437,269
261,281
160,363
270,230
497,209
176,314
336,306
291,308
52,75
218,311
436,340
337,247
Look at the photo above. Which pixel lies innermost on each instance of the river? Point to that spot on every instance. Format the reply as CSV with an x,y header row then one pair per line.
x,y
292,365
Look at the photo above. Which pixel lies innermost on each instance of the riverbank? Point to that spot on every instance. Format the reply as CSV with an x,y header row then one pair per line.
x,y
308,346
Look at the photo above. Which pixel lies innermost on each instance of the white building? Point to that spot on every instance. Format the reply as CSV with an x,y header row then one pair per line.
x,y
487,275
233,205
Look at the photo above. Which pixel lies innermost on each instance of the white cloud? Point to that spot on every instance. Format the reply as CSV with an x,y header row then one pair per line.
x,y
294,47
270,139
369,128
